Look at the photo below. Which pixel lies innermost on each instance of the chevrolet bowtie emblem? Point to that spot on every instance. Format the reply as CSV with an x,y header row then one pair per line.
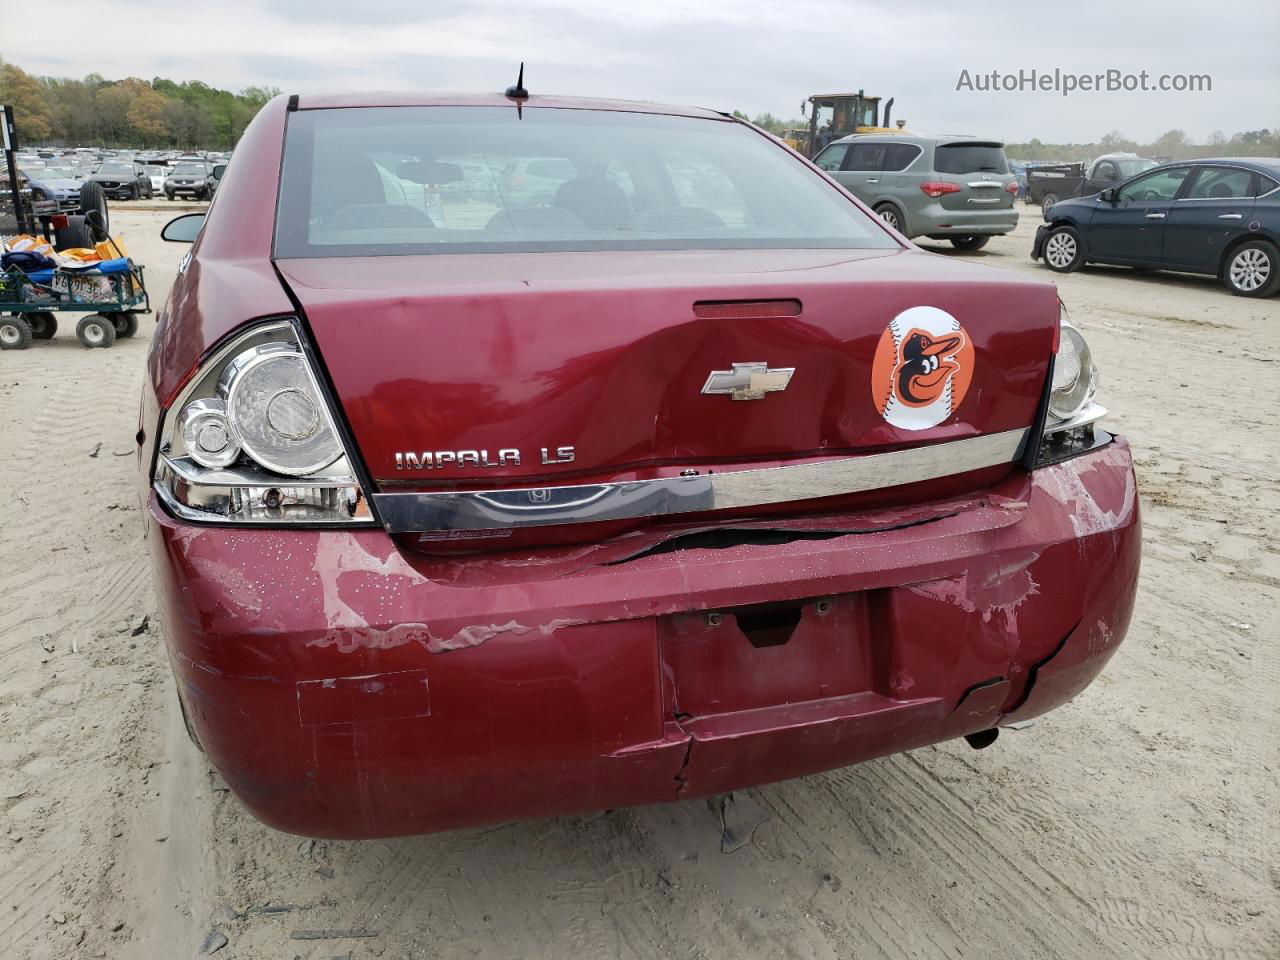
x,y
748,381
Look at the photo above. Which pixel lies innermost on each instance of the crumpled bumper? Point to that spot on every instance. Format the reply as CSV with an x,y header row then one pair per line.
x,y
346,687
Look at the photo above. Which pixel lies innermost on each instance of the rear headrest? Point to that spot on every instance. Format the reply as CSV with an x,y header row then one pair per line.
x,y
344,180
598,201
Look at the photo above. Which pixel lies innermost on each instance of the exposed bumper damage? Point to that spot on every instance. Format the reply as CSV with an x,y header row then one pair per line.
x,y
347,686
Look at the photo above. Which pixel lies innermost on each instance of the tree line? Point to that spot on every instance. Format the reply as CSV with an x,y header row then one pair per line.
x,y
132,112
1172,145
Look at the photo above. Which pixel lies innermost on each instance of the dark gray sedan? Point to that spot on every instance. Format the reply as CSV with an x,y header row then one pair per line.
x,y
1219,216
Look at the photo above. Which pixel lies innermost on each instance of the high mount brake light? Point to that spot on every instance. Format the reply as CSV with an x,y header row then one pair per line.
x,y
250,439
936,188
745,309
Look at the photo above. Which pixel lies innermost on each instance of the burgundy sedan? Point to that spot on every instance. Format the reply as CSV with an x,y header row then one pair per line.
x,y
506,459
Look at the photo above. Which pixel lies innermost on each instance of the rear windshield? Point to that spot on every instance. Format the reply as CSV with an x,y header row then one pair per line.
x,y
970,158
409,180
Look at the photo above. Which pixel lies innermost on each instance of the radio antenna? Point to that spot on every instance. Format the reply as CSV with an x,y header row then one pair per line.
x,y
518,93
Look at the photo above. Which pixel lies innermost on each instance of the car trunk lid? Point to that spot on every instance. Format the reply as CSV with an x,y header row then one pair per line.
x,y
604,367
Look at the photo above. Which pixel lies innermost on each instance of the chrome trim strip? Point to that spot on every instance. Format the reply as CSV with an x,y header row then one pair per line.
x,y
1087,414
662,496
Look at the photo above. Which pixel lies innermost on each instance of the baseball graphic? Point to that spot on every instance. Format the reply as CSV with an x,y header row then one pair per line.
x,y
922,368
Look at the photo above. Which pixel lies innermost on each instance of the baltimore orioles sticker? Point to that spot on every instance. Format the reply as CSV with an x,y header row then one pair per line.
x,y
922,368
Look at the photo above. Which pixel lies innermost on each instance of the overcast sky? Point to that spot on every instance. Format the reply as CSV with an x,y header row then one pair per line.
x,y
723,54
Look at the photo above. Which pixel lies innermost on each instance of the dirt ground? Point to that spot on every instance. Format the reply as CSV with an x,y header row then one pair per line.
x,y
1140,821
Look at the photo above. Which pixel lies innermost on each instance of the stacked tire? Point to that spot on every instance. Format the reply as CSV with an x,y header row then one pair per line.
x,y
92,197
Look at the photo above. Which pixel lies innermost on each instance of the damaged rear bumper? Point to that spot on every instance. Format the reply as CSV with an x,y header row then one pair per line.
x,y
347,687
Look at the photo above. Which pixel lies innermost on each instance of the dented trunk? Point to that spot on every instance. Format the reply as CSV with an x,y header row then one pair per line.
x,y
520,370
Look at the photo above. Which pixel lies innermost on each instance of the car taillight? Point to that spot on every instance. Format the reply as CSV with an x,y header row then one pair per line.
x,y
936,188
1071,411
251,439
1011,187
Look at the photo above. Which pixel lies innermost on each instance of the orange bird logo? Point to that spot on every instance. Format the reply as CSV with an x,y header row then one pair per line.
x,y
922,368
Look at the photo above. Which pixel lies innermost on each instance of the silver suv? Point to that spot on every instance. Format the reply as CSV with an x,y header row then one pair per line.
x,y
944,188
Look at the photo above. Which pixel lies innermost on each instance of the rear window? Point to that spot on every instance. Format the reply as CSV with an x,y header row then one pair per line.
x,y
970,158
1221,183
408,180
899,156
866,156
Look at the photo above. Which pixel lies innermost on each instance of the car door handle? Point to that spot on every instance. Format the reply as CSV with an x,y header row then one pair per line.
x,y
1155,216
1231,216
873,179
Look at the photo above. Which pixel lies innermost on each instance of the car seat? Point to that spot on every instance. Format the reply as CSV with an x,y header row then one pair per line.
x,y
535,220
598,202
344,179
366,216
679,220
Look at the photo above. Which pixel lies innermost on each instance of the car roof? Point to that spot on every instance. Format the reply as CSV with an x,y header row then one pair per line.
x,y
329,101
919,138
1270,165
1267,163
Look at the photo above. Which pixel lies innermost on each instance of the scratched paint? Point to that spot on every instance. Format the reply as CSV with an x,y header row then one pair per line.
x,y
367,637
992,587
1067,483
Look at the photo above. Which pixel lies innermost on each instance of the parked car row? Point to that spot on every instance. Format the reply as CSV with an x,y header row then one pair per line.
x,y
122,175
1217,216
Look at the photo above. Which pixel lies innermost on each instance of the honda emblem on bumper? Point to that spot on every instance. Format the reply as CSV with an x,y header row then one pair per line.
x,y
748,381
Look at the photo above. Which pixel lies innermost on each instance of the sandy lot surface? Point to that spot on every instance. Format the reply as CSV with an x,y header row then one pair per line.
x,y
1139,821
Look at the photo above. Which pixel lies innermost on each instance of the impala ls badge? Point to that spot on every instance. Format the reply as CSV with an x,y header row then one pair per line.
x,y
749,381
507,456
